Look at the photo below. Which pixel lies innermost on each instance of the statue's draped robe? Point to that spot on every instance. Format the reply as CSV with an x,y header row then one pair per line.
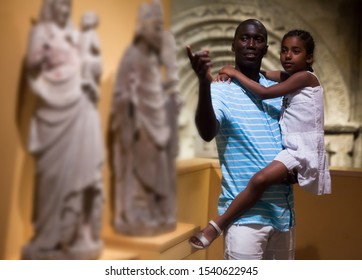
x,y
65,139
143,147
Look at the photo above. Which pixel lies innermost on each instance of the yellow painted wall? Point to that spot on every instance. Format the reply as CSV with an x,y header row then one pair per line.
x,y
330,227
118,18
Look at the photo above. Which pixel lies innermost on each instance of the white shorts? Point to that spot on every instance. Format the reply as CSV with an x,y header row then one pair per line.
x,y
258,242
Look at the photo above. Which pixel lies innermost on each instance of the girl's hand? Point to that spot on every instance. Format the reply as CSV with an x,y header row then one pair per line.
x,y
228,70
225,74
221,77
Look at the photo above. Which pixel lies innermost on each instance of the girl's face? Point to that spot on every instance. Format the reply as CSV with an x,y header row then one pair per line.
x,y
293,55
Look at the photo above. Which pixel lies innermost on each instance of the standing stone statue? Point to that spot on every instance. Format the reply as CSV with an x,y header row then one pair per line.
x,y
65,140
90,53
144,129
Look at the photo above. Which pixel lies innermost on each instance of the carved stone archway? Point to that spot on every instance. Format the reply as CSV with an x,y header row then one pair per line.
x,y
212,26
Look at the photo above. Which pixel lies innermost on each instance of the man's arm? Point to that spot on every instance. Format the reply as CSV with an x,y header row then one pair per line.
x,y
205,119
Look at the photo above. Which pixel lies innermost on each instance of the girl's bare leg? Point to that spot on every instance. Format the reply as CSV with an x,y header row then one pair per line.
x,y
274,173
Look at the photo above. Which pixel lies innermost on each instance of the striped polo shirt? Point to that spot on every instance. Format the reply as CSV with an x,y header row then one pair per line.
x,y
249,138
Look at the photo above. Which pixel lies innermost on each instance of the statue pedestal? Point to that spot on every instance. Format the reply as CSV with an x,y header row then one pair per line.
x,y
168,246
113,254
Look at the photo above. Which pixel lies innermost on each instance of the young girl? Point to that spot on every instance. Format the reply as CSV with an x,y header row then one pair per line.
x,y
302,127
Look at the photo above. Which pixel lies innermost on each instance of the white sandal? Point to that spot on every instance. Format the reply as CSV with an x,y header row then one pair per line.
x,y
201,237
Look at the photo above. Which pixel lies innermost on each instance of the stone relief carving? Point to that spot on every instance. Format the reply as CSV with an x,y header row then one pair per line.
x,y
212,25
144,136
339,148
65,140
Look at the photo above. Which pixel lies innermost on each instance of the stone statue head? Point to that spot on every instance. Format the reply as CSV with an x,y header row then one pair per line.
x,y
57,11
89,20
150,24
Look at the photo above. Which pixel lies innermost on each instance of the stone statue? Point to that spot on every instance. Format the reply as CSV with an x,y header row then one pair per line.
x,y
90,54
144,129
65,140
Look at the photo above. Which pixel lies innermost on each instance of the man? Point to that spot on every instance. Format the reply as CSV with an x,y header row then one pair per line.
x,y
248,138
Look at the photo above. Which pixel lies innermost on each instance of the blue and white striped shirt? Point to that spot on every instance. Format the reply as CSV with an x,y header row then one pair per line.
x,y
248,140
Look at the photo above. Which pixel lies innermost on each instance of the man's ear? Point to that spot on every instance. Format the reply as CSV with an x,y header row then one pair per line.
x,y
232,47
266,49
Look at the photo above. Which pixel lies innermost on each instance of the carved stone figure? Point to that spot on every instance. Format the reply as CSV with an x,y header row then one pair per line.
x,y
144,129
65,140
90,54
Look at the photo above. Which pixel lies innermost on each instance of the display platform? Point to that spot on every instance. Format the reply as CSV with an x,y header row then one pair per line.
x,y
114,254
168,246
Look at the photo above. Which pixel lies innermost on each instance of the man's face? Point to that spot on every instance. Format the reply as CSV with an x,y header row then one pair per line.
x,y
250,45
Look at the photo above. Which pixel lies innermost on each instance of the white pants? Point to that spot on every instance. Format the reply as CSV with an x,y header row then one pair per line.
x,y
258,242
